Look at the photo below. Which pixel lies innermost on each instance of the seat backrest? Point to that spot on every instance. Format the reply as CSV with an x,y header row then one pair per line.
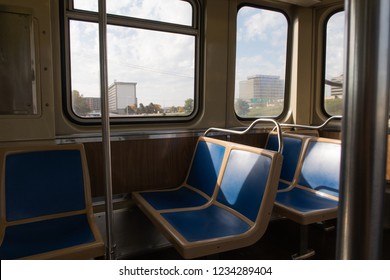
x,y
320,170
250,180
45,204
292,147
206,165
45,182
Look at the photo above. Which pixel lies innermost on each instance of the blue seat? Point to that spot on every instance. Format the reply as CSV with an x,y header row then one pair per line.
x,y
314,196
46,210
292,148
239,212
199,185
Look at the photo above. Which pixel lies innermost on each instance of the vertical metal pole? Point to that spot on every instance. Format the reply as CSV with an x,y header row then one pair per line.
x,y
110,246
360,223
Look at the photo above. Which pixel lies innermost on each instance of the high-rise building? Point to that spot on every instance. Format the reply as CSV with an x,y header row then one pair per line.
x,y
261,89
336,90
121,95
93,103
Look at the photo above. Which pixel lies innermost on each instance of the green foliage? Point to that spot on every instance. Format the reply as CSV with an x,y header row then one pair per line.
x,y
189,106
334,106
266,111
241,107
79,104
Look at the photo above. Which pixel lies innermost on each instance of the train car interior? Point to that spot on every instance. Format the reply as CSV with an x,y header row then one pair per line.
x,y
194,129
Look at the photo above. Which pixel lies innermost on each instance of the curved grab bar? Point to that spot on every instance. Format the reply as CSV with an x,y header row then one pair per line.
x,y
309,126
277,125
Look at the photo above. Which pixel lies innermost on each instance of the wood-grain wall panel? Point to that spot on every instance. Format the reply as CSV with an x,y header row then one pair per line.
x,y
330,134
141,164
149,163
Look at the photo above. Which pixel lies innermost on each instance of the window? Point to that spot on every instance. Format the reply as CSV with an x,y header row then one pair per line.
x,y
152,53
334,58
260,62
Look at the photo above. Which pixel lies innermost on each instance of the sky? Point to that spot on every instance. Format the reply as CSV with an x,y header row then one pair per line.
x,y
261,43
162,64
335,45
334,48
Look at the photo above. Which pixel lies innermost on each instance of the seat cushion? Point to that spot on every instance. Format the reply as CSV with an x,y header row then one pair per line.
x,y
304,201
44,236
205,224
179,198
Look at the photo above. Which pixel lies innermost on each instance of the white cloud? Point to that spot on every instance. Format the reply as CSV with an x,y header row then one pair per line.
x,y
261,43
172,11
335,45
264,25
161,63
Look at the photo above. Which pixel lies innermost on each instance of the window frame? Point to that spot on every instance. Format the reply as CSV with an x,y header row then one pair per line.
x,y
287,81
323,59
68,13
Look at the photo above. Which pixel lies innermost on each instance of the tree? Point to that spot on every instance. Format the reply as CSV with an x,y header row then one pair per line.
x,y
79,104
173,109
150,109
141,109
241,107
131,110
189,106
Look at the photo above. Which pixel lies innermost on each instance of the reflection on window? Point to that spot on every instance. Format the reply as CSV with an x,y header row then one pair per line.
x,y
260,62
151,72
334,58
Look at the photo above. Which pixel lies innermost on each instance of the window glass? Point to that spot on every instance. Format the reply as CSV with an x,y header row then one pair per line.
x,y
334,58
172,11
151,73
85,76
87,5
260,62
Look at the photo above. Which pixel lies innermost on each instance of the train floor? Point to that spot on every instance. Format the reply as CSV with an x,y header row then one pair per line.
x,y
136,238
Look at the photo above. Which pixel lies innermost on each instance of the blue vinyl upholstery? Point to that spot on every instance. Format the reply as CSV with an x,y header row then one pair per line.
x,y
202,176
303,201
43,183
177,198
48,210
236,216
202,224
314,194
207,161
242,189
321,167
244,182
44,236
292,146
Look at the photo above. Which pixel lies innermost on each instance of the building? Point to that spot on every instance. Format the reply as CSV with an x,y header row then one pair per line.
x,y
336,89
93,103
120,96
261,89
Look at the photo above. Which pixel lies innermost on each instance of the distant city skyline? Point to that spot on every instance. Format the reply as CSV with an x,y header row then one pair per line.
x,y
163,64
261,89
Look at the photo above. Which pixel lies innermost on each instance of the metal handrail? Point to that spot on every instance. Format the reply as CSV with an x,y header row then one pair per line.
x,y
241,132
310,126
